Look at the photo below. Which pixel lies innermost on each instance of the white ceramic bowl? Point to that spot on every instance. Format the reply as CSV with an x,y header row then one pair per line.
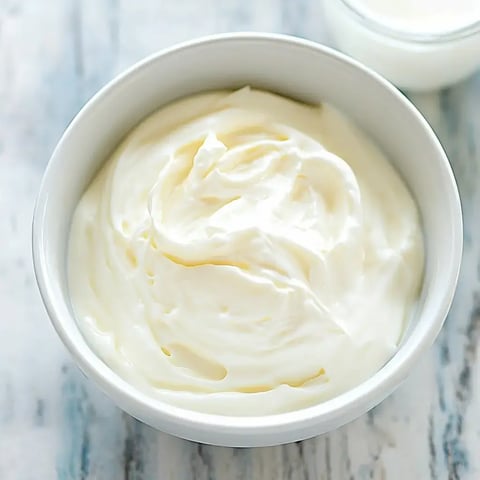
x,y
299,69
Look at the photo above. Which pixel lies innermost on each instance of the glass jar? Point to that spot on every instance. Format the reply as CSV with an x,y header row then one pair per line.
x,y
410,60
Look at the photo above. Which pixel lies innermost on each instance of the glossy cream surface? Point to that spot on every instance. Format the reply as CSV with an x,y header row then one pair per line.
x,y
244,254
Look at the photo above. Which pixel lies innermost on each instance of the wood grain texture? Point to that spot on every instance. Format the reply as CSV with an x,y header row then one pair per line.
x,y
54,55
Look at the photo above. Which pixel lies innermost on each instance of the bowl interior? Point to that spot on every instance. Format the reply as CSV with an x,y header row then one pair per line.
x,y
290,67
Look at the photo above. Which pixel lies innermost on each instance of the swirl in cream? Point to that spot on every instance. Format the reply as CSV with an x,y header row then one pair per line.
x,y
244,254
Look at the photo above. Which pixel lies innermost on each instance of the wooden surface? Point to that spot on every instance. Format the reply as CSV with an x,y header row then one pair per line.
x,y
53,423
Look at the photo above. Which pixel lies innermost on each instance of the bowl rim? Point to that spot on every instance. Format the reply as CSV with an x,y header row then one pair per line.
x,y
339,409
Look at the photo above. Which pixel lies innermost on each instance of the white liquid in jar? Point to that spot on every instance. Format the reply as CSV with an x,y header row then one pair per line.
x,y
416,44
421,16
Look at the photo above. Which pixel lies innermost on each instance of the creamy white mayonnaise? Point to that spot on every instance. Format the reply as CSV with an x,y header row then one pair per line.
x,y
244,254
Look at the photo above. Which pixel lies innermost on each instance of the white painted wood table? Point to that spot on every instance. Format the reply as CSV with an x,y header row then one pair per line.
x,y
53,423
